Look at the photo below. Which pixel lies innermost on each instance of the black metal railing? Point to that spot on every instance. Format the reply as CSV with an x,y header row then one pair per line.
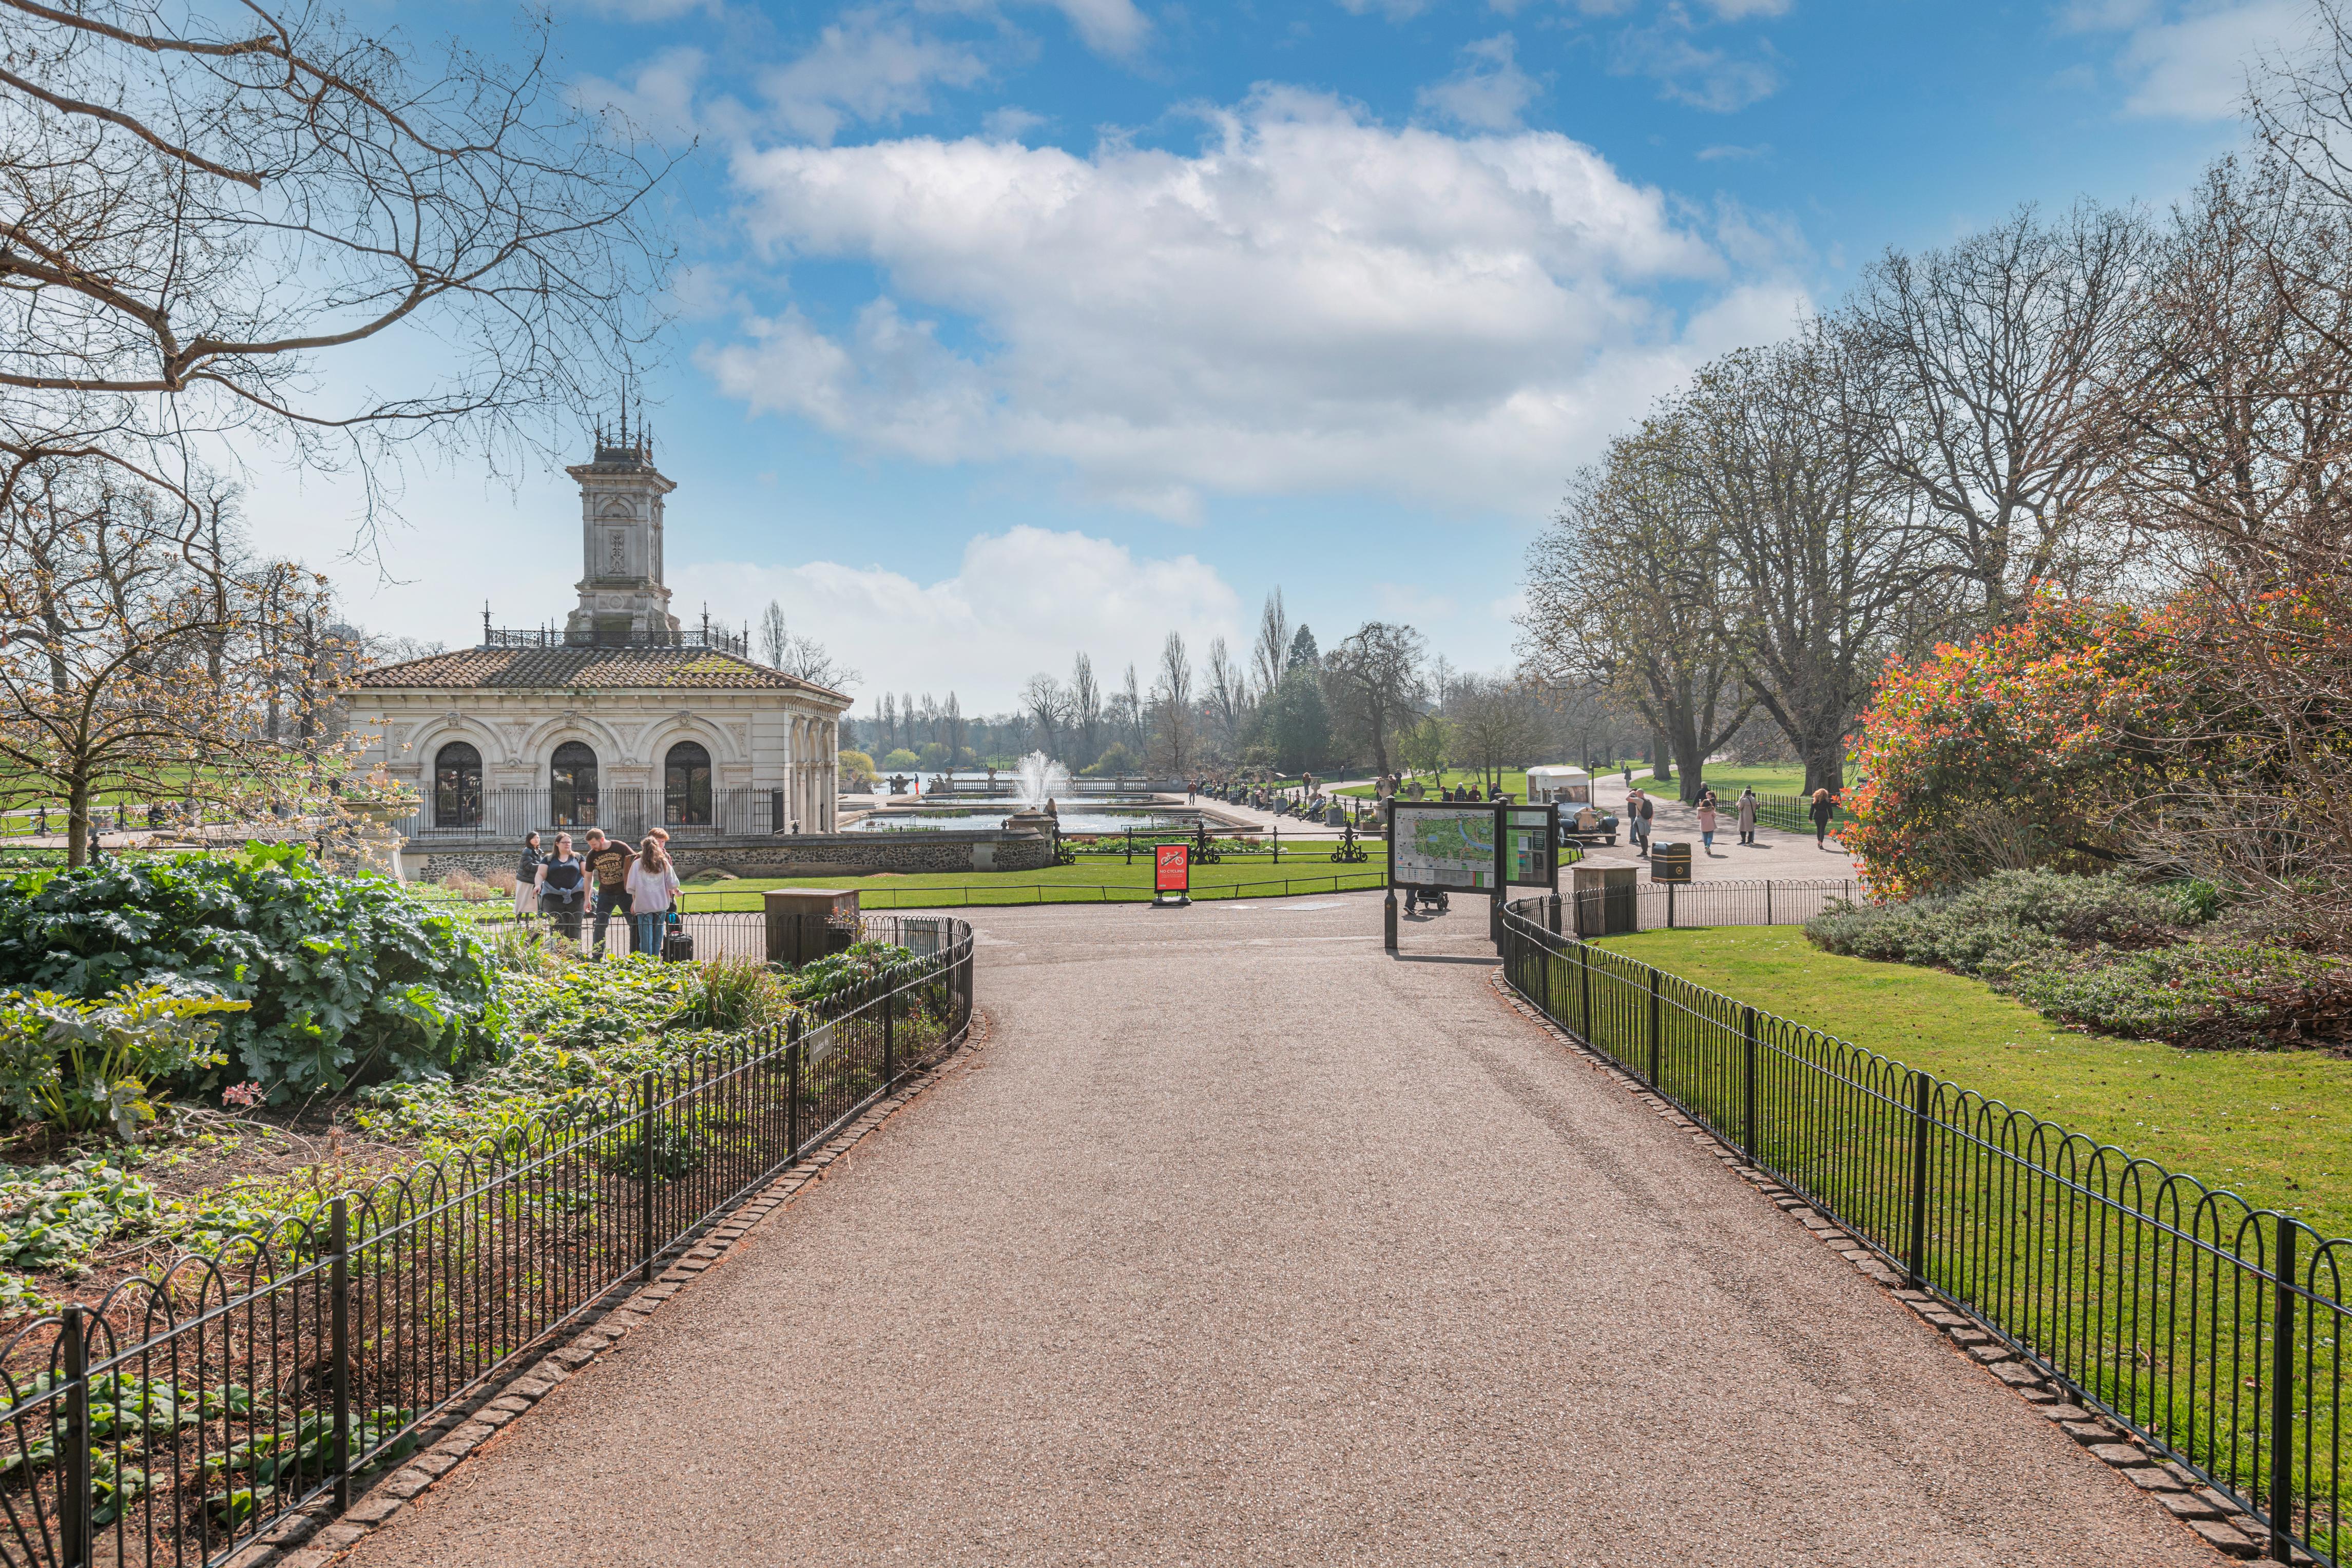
x,y
506,814
713,932
2211,1328
183,1414
1789,813
704,637
1672,906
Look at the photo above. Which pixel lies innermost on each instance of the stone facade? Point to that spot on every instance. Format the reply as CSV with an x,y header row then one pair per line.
x,y
665,725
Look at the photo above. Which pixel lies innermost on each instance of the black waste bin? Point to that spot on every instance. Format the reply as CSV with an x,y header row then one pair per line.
x,y
1670,862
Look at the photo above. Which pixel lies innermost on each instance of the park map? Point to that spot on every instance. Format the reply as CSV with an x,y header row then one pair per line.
x,y
1446,849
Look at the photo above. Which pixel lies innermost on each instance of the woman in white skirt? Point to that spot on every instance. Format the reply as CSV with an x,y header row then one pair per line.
x,y
527,876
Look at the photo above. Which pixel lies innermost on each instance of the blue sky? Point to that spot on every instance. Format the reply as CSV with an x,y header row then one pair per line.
x,y
1011,328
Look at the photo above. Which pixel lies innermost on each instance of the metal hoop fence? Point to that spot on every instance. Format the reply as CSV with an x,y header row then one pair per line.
x,y
2212,1329
184,1416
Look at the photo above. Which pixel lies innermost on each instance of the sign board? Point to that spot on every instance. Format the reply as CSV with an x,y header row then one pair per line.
x,y
1442,845
1172,873
1531,846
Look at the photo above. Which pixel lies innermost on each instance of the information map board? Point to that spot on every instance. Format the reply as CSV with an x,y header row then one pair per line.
x,y
1443,846
1531,846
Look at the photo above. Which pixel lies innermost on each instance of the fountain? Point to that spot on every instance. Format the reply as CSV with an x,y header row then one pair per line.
x,y
1040,779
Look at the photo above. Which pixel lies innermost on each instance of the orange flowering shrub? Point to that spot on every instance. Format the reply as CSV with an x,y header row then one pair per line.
x,y
2025,746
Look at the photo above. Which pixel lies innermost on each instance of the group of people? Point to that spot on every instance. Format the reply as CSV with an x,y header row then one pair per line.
x,y
1640,812
639,886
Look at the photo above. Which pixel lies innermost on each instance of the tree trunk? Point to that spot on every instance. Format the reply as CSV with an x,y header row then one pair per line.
x,y
1826,765
1660,768
77,822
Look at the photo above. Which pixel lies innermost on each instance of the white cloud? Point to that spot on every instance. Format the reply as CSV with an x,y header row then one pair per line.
x,y
1113,28
865,67
1488,92
1009,123
658,101
1716,79
1311,302
2190,62
1712,154
1020,601
1740,10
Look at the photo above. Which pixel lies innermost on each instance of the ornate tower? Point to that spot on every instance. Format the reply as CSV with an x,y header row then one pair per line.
x,y
622,598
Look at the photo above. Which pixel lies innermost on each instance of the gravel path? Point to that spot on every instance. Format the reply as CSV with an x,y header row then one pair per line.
x,y
1249,1246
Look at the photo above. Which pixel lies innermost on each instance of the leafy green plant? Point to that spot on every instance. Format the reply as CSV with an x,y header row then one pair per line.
x,y
351,979
81,1066
2104,953
861,962
51,1217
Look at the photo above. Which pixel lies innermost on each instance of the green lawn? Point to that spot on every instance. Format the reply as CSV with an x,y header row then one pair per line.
x,y
1096,879
2274,1126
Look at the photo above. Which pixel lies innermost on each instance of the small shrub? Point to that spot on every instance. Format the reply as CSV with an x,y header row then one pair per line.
x,y
735,994
2165,962
349,978
861,962
83,1066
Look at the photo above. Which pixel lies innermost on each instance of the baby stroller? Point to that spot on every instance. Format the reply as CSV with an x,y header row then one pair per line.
x,y
1430,898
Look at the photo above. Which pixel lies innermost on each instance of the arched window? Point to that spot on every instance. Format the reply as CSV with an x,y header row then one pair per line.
x,y
457,787
572,786
686,786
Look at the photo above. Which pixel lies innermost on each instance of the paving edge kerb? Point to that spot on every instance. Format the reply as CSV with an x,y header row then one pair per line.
x,y
316,1536
2205,1512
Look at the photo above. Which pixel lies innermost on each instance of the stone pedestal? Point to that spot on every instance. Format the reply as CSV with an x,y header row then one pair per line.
x,y
1603,897
807,922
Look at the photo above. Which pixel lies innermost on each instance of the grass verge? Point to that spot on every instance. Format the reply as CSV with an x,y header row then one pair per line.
x,y
2274,1126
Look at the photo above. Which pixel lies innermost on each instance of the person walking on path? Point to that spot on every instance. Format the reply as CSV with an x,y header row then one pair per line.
x,y
526,875
608,864
653,888
1706,821
1821,818
1637,821
561,881
1747,804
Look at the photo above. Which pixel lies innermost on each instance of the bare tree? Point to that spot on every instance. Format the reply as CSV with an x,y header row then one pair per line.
x,y
1130,713
1086,710
808,659
1494,723
2242,426
1270,653
138,658
1172,700
1228,700
951,729
1374,679
1992,364
1822,556
1048,704
202,202
775,637
1652,636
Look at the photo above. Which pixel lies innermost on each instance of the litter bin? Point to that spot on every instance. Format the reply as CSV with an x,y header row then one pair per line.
x,y
1670,862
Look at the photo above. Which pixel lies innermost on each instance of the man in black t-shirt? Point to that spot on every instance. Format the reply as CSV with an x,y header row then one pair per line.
x,y
608,872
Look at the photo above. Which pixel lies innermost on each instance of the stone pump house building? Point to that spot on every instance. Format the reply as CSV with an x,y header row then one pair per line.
x,y
622,718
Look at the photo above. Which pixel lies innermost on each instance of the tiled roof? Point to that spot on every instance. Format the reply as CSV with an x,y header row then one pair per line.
x,y
597,668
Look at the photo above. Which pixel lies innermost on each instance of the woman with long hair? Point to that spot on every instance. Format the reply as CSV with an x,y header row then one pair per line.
x,y
653,888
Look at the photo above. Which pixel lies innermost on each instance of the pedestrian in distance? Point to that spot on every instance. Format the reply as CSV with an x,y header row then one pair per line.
x,y
1748,815
653,890
1649,814
1706,821
608,865
526,874
562,880
1821,805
